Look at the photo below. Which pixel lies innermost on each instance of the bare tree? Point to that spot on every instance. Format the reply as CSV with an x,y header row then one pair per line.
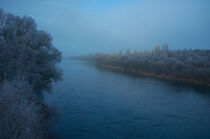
x,y
21,116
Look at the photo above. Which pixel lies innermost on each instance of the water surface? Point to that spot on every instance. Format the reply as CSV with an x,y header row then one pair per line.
x,y
97,103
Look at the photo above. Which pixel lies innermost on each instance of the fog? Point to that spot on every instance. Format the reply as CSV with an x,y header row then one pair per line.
x,y
89,26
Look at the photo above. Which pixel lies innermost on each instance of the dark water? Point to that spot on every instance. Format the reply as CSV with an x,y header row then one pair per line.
x,y
95,103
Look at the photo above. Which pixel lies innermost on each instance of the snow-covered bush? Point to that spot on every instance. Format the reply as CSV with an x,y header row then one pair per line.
x,y
21,115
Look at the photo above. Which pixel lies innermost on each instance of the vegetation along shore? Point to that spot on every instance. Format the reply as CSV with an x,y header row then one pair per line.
x,y
187,65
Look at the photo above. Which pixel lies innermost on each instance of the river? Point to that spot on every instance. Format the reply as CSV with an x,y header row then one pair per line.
x,y
95,103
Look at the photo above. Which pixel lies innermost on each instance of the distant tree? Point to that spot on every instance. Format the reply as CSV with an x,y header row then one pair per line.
x,y
189,64
127,51
165,47
157,49
119,52
135,51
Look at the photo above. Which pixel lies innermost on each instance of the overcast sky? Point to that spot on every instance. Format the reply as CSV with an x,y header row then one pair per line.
x,y
91,26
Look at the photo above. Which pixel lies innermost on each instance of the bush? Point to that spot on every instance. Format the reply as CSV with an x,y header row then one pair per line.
x,y
21,116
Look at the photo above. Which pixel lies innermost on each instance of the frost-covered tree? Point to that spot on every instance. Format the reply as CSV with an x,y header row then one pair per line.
x,y
21,115
186,64
127,51
165,47
27,51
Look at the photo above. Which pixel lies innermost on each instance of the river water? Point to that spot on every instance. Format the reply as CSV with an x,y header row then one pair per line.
x,y
95,103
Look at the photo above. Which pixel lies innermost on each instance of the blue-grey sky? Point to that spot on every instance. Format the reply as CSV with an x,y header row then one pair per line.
x,y
91,26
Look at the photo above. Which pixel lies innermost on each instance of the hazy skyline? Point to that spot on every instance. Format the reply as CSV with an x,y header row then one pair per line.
x,y
91,26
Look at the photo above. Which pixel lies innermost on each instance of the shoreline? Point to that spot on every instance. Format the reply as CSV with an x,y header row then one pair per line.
x,y
153,75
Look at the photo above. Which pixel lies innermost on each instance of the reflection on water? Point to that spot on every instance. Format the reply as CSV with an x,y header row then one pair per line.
x,y
101,103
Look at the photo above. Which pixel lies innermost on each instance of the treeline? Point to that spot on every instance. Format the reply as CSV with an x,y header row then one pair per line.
x,y
27,68
186,65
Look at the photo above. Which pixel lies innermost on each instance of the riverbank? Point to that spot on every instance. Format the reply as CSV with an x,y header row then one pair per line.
x,y
148,74
187,65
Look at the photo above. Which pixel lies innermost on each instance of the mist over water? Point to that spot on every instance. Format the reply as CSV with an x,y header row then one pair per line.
x,y
93,102
90,26
99,103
